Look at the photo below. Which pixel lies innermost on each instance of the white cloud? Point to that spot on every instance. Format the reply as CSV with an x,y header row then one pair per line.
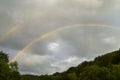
x,y
110,40
64,64
71,59
53,46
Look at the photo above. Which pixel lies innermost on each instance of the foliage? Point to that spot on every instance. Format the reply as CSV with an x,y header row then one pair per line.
x,y
14,66
3,57
104,67
8,72
4,71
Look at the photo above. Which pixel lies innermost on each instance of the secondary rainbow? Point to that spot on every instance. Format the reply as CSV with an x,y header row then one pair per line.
x,y
9,33
40,37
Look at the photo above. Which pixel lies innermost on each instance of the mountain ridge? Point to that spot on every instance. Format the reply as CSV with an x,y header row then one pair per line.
x,y
101,68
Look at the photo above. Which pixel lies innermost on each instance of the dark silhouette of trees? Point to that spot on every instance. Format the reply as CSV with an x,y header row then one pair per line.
x,y
105,67
3,57
14,66
8,72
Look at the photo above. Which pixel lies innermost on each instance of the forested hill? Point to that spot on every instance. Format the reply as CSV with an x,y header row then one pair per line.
x,y
104,67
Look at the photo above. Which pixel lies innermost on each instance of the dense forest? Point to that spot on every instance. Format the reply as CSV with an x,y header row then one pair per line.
x,y
104,67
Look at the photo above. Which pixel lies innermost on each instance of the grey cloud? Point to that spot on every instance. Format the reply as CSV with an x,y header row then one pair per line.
x,y
79,45
47,64
37,17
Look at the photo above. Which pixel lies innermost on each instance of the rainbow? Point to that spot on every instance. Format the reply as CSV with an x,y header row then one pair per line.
x,y
40,37
12,31
9,33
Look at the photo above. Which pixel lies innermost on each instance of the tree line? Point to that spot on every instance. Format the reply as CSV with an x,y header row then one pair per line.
x,y
8,71
104,67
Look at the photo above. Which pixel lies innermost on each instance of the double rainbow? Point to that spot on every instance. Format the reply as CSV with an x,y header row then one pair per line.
x,y
40,37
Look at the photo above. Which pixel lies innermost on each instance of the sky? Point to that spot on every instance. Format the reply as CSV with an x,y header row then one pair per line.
x,y
34,32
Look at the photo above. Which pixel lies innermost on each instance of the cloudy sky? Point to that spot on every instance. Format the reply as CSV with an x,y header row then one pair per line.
x,y
22,21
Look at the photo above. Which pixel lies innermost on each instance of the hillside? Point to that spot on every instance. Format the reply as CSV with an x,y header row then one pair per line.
x,y
104,67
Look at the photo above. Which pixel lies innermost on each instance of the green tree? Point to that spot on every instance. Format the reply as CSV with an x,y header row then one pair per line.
x,y
95,73
115,72
73,76
8,72
5,71
14,66
3,57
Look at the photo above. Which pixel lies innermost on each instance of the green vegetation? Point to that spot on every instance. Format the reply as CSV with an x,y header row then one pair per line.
x,y
3,57
105,67
8,72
